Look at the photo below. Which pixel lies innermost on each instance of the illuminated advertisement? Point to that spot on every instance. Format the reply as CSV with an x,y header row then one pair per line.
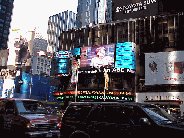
x,y
164,68
125,55
63,61
74,70
1,86
135,8
76,51
95,95
63,65
97,56
8,88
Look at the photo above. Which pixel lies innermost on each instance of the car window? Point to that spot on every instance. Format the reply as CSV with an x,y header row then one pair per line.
x,y
114,114
94,114
10,106
77,113
135,115
30,107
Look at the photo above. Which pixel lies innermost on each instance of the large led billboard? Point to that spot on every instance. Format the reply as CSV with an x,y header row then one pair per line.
x,y
63,62
76,51
97,56
125,55
63,65
164,68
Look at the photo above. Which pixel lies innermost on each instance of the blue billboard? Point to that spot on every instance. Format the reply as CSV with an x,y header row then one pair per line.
x,y
1,86
62,61
125,55
76,51
39,90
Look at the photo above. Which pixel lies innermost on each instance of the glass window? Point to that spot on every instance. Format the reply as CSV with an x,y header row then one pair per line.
x,y
77,113
158,114
30,107
114,114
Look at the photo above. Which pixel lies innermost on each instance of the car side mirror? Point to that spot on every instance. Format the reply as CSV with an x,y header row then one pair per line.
x,y
144,121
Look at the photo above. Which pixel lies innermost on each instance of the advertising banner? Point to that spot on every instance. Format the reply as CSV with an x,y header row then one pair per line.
x,y
63,61
125,55
1,86
8,88
97,56
164,68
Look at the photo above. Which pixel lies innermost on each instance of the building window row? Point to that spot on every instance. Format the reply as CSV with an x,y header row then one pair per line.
x,y
152,32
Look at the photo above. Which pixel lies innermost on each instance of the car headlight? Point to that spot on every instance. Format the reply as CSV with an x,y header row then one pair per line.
x,y
59,125
30,125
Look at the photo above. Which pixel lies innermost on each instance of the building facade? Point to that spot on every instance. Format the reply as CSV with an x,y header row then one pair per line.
x,y
154,36
6,7
39,45
57,23
92,12
41,65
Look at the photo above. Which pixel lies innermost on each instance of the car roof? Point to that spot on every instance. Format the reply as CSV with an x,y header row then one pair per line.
x,y
18,99
110,103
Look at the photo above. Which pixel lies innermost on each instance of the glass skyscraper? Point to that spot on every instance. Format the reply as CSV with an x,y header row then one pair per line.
x,y
6,7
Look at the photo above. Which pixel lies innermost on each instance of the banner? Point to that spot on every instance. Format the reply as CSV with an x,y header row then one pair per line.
x,y
164,68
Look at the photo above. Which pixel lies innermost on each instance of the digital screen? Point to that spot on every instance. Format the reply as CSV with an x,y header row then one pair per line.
x,y
135,8
125,55
97,56
76,51
63,65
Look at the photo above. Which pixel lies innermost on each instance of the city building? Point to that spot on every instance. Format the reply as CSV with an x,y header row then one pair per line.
x,y
6,7
39,45
41,64
92,12
57,23
158,45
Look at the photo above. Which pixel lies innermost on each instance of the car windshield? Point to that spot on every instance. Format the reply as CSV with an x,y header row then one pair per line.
x,y
30,107
158,114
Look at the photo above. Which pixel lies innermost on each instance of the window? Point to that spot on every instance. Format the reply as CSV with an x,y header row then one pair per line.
x,y
114,114
9,105
77,113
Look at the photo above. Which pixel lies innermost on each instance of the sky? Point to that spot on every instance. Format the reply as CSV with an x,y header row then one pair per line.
x,y
28,14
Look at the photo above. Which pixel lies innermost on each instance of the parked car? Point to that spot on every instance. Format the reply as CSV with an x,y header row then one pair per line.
x,y
28,118
115,119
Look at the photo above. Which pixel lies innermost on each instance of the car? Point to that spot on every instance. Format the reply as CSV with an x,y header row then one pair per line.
x,y
118,119
27,118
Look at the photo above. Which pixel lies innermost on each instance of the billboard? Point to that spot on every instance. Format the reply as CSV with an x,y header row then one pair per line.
x,y
76,51
135,9
164,68
40,86
125,55
62,62
8,88
63,66
97,56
